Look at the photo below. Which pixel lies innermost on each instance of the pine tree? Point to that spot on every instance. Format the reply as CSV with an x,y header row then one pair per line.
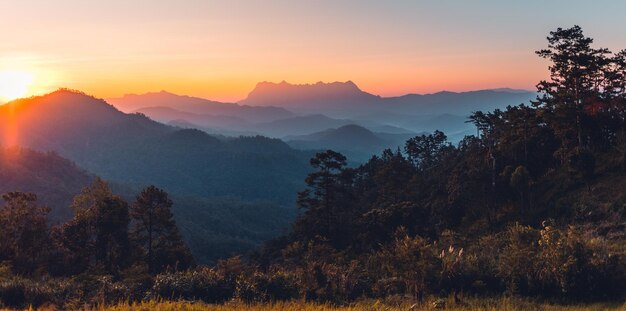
x,y
156,232
576,80
325,199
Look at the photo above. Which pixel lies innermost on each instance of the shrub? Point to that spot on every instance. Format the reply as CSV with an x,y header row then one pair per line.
x,y
573,264
517,258
271,286
201,284
21,293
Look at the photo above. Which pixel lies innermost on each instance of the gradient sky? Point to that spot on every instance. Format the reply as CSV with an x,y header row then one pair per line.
x,y
221,49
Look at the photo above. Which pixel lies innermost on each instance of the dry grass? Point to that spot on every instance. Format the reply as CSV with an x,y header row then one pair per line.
x,y
502,304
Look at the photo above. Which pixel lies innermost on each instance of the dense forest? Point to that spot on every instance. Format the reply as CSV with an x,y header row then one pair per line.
x,y
533,205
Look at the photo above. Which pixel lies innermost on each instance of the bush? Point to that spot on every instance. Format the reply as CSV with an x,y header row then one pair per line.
x,y
561,263
262,287
517,259
201,284
573,264
21,293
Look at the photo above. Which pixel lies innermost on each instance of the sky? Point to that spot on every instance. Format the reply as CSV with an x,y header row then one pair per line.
x,y
221,49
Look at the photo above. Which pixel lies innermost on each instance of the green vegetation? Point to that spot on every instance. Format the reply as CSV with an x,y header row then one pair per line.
x,y
534,207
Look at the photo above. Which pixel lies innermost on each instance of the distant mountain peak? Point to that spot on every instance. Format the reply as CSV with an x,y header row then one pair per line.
x,y
285,94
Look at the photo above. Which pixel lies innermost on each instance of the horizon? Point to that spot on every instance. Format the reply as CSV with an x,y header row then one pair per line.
x,y
47,92
219,50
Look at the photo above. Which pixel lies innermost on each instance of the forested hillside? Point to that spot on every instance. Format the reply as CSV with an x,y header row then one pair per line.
x,y
535,205
218,184
54,179
134,150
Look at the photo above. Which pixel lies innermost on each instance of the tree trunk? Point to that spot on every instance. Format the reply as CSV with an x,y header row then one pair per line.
x,y
150,265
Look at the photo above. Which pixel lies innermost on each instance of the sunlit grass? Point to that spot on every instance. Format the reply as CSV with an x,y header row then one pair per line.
x,y
503,304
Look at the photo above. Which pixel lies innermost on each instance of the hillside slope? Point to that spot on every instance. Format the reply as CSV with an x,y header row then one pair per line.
x,y
54,179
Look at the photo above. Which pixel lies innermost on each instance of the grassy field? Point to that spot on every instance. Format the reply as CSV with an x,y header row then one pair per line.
x,y
503,304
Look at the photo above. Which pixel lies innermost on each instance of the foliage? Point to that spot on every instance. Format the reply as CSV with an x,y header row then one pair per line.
x,y
156,232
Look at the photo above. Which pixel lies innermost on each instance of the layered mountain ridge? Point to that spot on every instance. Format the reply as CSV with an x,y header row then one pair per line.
x,y
284,109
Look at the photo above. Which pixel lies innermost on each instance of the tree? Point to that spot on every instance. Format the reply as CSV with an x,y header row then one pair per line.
x,y
326,194
156,232
520,181
24,231
97,236
425,151
576,80
582,162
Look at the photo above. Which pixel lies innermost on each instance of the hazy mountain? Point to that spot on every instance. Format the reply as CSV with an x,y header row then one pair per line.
x,y
134,151
133,102
319,97
299,125
355,141
54,179
445,111
217,132
166,115
321,106
461,104
341,98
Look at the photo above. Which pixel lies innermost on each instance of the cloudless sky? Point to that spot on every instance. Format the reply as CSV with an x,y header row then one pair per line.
x,y
221,49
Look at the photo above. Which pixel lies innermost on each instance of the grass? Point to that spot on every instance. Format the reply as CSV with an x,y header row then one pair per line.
x,y
501,304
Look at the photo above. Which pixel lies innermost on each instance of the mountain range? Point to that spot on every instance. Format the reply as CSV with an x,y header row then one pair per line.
x,y
288,110
132,102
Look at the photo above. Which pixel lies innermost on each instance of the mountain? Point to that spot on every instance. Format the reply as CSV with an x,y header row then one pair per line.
x,y
54,179
217,132
319,97
461,104
355,141
299,125
167,114
133,102
415,112
131,148
267,110
133,151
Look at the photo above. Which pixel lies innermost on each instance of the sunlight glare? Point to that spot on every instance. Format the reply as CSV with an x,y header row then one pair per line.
x,y
14,84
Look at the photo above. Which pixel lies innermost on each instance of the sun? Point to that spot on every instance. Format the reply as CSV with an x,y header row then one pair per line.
x,y
14,84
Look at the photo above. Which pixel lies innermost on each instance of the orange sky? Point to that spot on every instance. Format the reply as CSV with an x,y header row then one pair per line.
x,y
221,49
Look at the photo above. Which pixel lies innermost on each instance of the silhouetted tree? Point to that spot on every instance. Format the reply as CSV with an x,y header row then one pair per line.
x,y
325,200
97,236
24,233
576,79
156,232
